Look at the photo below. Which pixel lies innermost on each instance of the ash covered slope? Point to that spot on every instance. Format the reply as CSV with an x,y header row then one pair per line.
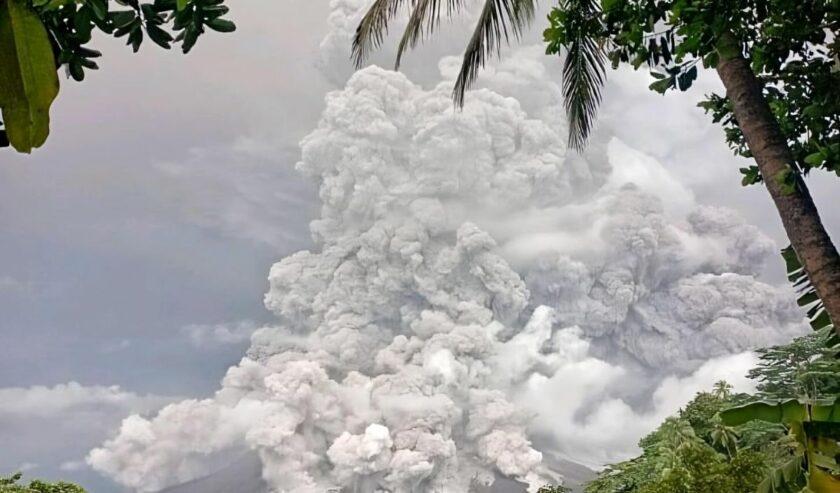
x,y
470,274
245,476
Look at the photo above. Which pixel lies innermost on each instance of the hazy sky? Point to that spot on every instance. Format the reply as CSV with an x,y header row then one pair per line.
x,y
135,246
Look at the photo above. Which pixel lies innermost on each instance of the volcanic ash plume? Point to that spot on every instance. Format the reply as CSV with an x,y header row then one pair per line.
x,y
466,264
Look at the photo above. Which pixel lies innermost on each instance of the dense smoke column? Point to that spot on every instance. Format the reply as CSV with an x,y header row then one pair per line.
x,y
468,270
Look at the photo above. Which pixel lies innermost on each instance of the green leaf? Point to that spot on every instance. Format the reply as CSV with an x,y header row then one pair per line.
x,y
814,159
824,462
221,25
99,8
28,79
607,5
662,85
190,36
159,36
772,412
123,18
788,478
135,37
826,411
752,175
808,298
711,59
182,4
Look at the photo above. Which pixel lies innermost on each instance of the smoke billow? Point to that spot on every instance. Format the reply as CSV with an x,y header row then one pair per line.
x,y
477,290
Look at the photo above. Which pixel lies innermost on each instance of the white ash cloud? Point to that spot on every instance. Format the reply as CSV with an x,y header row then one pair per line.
x,y
475,287
575,398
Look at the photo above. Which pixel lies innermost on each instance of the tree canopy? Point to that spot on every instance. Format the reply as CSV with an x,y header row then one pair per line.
x,y
11,484
782,439
789,44
37,37
693,452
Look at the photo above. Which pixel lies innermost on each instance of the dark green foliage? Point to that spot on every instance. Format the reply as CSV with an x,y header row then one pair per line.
x,y
583,68
767,438
28,81
11,485
700,413
683,455
807,367
554,489
807,295
814,432
724,442
702,470
71,24
802,380
625,477
786,41
794,370
164,22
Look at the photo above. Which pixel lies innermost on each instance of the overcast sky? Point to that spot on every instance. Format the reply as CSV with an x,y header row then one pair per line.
x,y
134,247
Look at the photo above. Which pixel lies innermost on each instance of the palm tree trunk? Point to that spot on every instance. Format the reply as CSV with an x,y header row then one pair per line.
x,y
799,214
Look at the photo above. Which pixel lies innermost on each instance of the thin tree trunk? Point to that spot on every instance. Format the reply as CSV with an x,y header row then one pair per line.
x,y
797,209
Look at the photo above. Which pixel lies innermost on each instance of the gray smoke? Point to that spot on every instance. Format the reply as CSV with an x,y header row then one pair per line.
x,y
476,289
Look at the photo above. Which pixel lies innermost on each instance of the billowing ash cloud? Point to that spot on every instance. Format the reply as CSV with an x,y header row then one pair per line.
x,y
477,290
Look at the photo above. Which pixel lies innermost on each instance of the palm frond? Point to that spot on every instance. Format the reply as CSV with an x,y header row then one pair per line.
x,y
807,295
371,31
425,18
584,72
499,20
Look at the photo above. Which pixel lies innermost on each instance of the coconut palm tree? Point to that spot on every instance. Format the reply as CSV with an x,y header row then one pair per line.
x,y
725,437
722,390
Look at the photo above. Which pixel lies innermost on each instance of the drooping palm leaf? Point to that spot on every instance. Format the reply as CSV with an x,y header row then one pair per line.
x,y
808,298
584,71
790,476
425,18
373,28
502,20
371,31
499,19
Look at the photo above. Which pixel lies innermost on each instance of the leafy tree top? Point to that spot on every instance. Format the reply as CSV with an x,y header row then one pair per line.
x,y
788,43
797,370
39,36
11,484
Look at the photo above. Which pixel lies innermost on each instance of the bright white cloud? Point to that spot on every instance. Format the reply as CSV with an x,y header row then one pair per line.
x,y
583,403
